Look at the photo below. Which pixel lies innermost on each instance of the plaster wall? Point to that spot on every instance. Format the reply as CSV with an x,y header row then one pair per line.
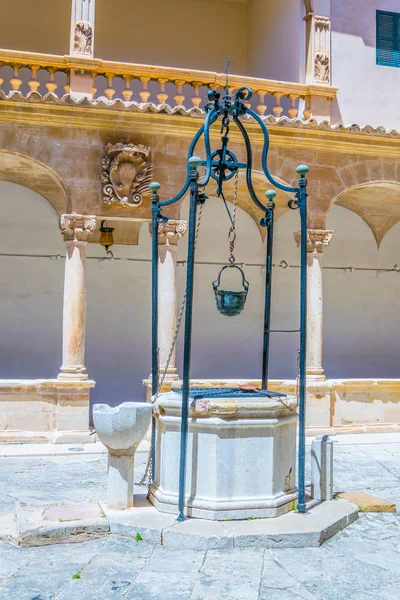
x,y
168,33
31,291
362,320
366,90
360,308
276,39
39,26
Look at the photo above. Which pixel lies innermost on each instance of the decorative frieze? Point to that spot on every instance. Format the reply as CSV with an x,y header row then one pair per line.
x,y
126,173
170,232
317,240
77,228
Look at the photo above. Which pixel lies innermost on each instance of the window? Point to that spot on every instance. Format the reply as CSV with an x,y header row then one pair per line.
x,y
387,38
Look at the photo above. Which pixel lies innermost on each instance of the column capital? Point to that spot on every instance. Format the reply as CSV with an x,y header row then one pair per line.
x,y
317,239
76,228
170,232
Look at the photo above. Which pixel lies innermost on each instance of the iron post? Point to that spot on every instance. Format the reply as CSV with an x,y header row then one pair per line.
x,y
154,187
302,170
269,223
194,164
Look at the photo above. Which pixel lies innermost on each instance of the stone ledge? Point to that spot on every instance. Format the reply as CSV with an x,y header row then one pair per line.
x,y
39,524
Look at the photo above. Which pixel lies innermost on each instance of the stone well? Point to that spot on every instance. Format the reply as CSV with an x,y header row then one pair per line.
x,y
241,456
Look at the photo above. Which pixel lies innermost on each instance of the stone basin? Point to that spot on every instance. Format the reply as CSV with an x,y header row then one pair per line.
x,y
121,429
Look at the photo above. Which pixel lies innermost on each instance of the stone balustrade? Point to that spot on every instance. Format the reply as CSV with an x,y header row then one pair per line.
x,y
42,74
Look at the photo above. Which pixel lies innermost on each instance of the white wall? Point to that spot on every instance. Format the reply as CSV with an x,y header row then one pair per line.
x,y
31,289
361,308
367,91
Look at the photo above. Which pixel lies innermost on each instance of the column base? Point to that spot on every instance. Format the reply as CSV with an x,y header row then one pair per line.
x,y
315,375
73,374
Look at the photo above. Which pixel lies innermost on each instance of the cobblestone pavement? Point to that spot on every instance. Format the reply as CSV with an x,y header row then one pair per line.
x,y
360,563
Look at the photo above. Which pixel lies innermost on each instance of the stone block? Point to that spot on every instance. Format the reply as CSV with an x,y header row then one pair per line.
x,y
322,468
368,503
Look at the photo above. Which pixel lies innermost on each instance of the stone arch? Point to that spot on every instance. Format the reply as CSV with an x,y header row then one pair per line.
x,y
376,202
35,175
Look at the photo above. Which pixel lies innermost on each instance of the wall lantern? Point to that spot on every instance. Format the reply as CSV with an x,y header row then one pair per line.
x,y
106,237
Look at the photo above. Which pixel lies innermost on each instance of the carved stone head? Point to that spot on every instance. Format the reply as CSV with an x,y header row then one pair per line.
x,y
126,173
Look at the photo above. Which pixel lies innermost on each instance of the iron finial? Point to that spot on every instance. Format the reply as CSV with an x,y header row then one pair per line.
x,y
271,195
302,170
194,163
154,186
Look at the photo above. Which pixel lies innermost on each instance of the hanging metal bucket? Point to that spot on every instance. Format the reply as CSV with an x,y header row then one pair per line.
x,y
230,303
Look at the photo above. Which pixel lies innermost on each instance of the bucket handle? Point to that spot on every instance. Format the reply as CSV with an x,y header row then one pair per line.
x,y
245,283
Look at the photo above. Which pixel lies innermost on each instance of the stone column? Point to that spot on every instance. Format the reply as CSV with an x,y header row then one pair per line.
x,y
317,239
75,229
81,46
169,234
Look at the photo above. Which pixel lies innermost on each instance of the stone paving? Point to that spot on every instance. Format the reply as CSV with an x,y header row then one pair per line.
x,y
360,563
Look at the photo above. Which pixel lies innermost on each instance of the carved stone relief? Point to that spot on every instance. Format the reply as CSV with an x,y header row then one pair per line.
x,y
321,67
83,36
126,173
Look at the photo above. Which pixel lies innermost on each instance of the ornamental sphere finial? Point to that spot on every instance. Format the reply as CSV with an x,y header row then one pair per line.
x,y
154,186
302,170
271,195
194,163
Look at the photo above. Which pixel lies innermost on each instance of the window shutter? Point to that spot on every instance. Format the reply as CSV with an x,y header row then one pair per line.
x,y
387,38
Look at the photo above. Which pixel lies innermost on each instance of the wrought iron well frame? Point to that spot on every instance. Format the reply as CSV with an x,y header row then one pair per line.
x,y
221,165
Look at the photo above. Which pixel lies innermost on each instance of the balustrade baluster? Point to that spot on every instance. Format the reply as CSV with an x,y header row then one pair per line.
x,y
261,108
16,81
307,108
67,86
162,97
33,83
196,99
94,88
277,109
293,110
179,98
127,92
144,94
109,91
51,84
